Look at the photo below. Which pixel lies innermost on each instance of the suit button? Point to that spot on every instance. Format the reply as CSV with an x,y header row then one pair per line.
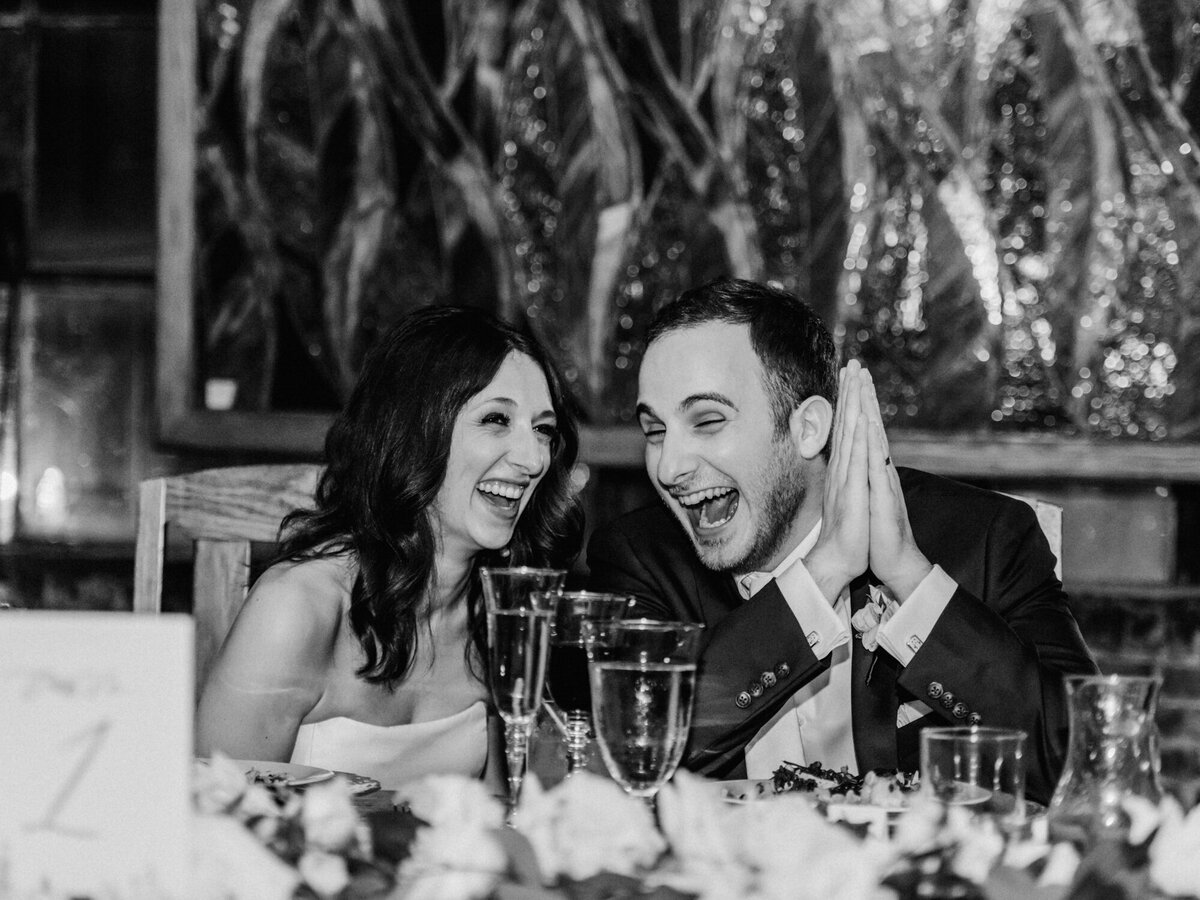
x,y
947,700
783,670
768,679
974,719
755,688
934,690
960,710
742,700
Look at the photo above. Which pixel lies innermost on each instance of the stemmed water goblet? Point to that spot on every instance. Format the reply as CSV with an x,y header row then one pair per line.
x,y
570,697
520,608
643,677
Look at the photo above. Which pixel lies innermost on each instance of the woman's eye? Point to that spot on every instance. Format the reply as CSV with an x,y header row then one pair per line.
x,y
548,432
709,423
495,418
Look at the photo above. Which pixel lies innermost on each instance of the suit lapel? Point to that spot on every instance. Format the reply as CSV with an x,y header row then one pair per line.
x,y
873,703
717,592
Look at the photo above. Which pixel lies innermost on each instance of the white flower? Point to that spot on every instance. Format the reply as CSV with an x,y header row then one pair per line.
x,y
781,848
328,816
798,855
258,801
325,873
693,818
587,824
230,863
444,885
918,827
1023,853
1175,851
980,845
1061,865
452,863
218,784
452,800
880,607
1144,817
448,847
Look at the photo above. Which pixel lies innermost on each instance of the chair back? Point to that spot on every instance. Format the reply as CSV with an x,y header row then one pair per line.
x,y
223,511
1050,517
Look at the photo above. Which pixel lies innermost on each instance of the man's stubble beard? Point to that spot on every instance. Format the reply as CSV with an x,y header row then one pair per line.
x,y
785,496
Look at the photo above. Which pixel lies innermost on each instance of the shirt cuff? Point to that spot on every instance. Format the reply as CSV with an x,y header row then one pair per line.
x,y
909,627
821,624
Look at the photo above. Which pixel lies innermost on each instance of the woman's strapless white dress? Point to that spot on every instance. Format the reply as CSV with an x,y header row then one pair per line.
x,y
395,754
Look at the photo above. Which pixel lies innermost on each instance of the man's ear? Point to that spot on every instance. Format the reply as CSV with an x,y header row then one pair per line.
x,y
810,423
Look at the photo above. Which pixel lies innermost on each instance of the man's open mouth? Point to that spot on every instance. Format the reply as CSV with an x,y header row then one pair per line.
x,y
710,508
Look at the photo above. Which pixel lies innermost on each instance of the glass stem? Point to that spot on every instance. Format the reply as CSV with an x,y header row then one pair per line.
x,y
652,804
516,748
577,731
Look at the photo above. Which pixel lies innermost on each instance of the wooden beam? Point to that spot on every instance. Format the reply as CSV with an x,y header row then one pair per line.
x,y
1018,457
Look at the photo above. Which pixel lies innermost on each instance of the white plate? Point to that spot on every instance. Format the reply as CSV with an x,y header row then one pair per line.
x,y
743,790
294,775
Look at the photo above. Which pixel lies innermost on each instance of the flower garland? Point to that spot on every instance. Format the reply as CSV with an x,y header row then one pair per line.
x,y
586,837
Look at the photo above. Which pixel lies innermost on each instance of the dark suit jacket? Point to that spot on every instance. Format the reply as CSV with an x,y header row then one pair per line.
x,y
1001,647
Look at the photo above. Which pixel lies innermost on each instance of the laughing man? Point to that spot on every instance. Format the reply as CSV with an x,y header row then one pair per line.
x,y
848,603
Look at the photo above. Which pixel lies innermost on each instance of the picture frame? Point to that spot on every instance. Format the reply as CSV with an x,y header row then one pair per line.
x,y
184,419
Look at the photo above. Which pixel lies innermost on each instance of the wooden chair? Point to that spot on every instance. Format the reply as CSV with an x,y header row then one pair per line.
x,y
223,511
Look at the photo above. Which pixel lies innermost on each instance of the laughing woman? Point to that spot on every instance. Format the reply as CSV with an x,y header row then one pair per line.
x,y
361,648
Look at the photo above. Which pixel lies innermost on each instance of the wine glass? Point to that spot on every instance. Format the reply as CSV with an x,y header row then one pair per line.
x,y
570,693
643,676
520,607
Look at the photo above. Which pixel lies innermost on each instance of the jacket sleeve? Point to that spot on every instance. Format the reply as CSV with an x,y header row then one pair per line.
x,y
754,655
1005,659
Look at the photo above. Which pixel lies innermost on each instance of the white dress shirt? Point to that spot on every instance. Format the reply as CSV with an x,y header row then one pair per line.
x,y
814,725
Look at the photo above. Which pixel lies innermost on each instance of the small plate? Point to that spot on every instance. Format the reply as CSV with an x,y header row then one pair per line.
x,y
291,774
879,820
743,790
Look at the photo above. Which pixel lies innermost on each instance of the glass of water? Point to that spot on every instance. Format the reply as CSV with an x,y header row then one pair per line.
x,y
979,769
520,609
643,677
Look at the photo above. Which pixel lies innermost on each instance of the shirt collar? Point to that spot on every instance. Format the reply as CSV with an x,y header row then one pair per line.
x,y
744,580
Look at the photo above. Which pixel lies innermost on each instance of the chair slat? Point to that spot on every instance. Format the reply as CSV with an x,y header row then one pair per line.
x,y
219,587
222,511
244,502
151,546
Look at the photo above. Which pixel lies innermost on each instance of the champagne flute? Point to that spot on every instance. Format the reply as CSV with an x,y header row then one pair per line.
x,y
520,607
570,694
643,676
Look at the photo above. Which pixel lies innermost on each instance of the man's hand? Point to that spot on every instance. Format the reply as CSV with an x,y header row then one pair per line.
x,y
894,556
841,551
864,518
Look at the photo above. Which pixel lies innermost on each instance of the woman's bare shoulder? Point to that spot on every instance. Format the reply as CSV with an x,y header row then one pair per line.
x,y
303,599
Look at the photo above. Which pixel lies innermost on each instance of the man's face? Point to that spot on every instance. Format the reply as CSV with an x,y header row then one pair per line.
x,y
713,451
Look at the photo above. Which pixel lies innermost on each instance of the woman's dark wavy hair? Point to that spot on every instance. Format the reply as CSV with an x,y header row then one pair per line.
x,y
386,455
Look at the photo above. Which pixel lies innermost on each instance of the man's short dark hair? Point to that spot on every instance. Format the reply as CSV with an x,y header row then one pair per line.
x,y
794,347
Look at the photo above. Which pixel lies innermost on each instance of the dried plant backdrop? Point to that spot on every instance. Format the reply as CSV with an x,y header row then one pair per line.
x,y
995,203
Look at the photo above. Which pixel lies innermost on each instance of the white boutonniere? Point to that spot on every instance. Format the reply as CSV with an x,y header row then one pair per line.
x,y
880,607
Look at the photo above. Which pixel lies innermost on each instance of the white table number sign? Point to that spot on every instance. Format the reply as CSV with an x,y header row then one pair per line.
x,y
95,754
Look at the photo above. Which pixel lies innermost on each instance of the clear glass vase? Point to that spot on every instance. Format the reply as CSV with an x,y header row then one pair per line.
x,y
1112,756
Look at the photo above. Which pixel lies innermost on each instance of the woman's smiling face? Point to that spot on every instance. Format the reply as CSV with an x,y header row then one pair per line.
x,y
500,450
